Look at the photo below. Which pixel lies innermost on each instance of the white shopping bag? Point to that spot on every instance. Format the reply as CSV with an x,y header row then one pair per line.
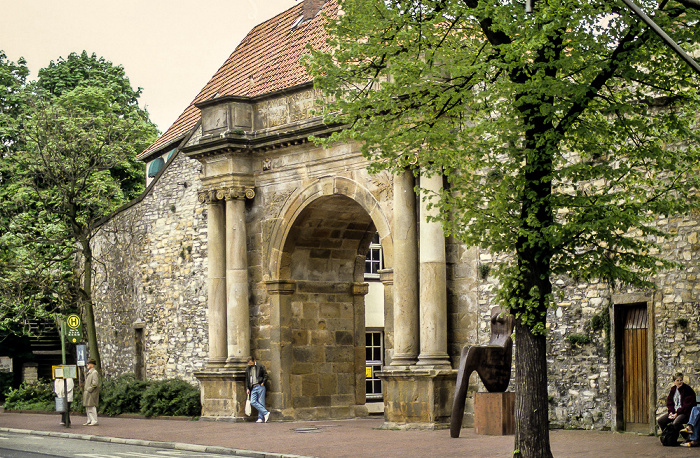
x,y
248,409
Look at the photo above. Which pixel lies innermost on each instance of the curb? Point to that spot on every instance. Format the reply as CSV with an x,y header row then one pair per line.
x,y
158,444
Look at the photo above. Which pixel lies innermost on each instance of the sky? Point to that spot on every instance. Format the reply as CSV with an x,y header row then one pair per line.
x,y
170,48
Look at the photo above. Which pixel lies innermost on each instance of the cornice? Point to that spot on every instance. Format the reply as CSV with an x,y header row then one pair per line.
x,y
246,143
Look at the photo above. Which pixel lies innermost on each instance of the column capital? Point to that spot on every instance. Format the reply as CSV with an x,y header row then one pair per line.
x,y
281,287
386,276
360,289
220,194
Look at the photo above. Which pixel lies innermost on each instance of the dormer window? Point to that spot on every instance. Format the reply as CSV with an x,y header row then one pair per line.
x,y
155,167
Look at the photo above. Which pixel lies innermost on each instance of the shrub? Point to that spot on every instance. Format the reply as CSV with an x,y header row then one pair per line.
x,y
171,397
121,394
6,379
31,396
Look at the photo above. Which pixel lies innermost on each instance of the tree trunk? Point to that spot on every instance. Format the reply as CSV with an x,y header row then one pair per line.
x,y
94,350
531,413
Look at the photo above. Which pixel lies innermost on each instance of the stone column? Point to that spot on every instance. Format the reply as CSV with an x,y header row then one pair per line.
x,y
280,394
237,307
217,279
386,276
433,283
405,272
358,292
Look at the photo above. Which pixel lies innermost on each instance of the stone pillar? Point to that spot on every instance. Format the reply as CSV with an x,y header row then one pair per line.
x,y
237,307
359,291
279,397
433,283
217,280
405,272
386,276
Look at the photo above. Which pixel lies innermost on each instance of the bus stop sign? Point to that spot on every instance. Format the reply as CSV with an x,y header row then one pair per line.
x,y
75,330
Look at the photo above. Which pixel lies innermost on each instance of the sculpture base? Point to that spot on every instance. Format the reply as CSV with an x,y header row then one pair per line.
x,y
494,414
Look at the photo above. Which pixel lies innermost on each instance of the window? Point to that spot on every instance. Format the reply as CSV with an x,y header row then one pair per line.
x,y
374,261
374,349
170,154
155,167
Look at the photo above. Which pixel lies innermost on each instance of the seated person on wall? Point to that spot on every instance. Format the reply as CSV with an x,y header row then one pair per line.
x,y
680,401
691,432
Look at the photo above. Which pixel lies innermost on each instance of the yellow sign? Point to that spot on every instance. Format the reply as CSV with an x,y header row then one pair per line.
x,y
64,371
368,371
73,321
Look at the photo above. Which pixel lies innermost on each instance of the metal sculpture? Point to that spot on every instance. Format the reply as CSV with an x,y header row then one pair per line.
x,y
492,362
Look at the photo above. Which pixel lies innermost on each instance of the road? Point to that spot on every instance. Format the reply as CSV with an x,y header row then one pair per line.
x,y
31,446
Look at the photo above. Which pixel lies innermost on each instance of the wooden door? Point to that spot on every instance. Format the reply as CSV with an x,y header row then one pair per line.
x,y
635,366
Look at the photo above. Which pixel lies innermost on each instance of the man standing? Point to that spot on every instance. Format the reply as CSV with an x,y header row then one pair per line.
x,y
255,378
91,393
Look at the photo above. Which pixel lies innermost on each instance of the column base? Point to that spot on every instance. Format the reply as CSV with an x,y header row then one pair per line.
x,y
236,364
494,413
223,394
399,361
418,398
434,361
216,363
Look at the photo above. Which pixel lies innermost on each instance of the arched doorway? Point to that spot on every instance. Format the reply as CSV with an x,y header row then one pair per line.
x,y
318,303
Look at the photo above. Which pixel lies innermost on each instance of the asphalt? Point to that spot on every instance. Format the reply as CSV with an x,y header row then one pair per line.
x,y
327,438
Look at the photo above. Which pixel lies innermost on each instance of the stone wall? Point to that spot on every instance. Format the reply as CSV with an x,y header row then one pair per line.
x,y
151,267
581,382
677,308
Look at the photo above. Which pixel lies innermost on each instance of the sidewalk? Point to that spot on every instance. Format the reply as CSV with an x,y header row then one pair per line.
x,y
330,438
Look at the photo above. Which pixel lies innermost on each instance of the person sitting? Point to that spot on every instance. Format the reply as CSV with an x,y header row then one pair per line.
x,y
691,432
679,402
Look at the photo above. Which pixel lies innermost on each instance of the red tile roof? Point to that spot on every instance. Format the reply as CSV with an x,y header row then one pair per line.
x,y
267,60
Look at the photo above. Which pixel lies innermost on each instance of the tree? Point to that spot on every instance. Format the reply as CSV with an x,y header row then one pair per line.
x,y
25,297
84,71
73,145
13,79
561,135
73,164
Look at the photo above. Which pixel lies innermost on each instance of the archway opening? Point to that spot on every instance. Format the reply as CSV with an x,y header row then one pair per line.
x,y
325,255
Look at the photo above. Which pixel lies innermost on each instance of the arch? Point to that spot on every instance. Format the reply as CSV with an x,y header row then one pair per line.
x,y
325,187
315,281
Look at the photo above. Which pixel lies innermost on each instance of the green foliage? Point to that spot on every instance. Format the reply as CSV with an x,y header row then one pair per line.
x,y
171,397
600,322
31,396
562,135
484,271
6,379
13,79
85,71
121,395
577,340
70,142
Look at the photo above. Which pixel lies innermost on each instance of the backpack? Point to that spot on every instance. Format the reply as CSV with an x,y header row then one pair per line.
x,y
669,436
